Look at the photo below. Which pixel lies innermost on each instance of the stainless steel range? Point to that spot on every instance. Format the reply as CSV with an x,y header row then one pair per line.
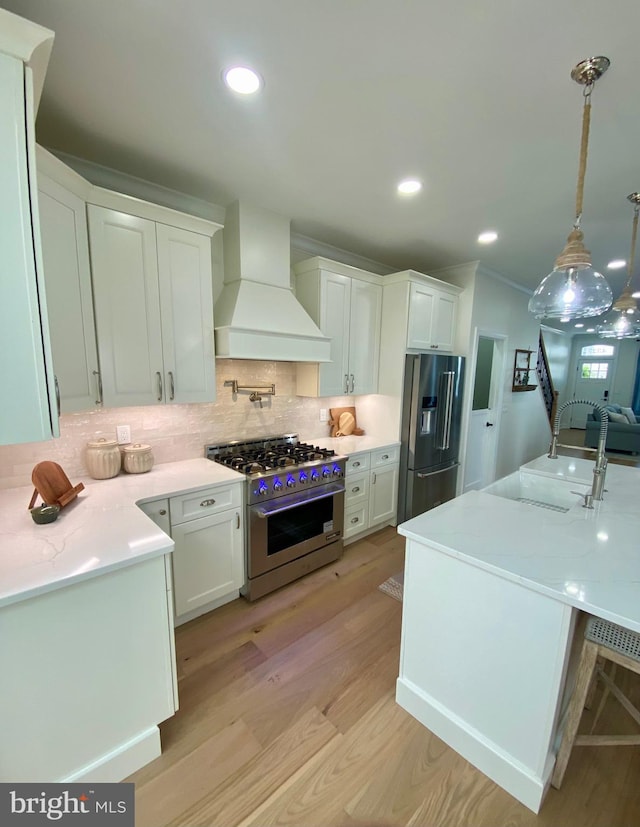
x,y
295,507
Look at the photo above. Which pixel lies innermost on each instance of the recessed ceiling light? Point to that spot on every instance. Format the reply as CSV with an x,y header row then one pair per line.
x,y
409,187
616,264
565,319
579,325
636,295
242,80
591,330
488,237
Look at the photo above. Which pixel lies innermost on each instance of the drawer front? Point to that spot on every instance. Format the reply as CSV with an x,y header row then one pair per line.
x,y
385,456
204,502
357,463
356,489
356,519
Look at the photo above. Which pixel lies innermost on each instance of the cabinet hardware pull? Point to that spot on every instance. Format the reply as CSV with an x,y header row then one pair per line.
x,y
237,520
355,520
99,383
55,379
346,383
373,478
353,384
162,512
205,503
435,347
385,456
171,386
159,375
356,464
355,490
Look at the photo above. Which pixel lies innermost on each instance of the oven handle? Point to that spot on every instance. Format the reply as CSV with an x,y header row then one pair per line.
x,y
320,493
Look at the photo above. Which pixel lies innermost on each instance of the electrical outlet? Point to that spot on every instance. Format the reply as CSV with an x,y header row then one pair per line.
x,y
123,434
323,415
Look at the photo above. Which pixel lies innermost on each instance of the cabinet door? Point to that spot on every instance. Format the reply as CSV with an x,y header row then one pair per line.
x,y
158,511
364,336
421,305
383,498
207,560
127,302
432,318
334,315
186,308
28,410
444,321
65,254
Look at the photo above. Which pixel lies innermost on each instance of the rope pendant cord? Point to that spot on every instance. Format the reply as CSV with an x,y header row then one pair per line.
x,y
582,167
634,235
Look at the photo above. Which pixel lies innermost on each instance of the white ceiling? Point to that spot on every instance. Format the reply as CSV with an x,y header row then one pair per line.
x,y
475,99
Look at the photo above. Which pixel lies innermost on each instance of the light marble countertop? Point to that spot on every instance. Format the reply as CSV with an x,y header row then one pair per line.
x,y
589,559
100,531
349,445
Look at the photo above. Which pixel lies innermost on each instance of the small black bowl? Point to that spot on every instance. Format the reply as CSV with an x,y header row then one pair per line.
x,y
45,514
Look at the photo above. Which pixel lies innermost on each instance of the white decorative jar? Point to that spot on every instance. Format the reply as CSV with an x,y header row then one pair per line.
x,y
103,459
138,459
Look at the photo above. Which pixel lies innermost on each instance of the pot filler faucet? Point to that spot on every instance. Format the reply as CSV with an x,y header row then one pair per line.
x,y
600,468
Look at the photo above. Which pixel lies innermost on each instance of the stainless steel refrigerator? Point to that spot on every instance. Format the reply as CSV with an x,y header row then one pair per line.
x,y
431,416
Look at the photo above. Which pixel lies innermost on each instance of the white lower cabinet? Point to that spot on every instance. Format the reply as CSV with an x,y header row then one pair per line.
x,y
371,490
208,559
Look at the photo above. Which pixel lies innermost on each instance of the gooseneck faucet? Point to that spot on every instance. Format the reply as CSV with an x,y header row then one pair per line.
x,y
600,467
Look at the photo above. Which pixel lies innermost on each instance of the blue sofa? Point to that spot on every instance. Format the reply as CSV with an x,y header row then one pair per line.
x,y
621,436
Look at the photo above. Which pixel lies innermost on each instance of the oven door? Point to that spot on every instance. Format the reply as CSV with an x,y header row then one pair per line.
x,y
291,526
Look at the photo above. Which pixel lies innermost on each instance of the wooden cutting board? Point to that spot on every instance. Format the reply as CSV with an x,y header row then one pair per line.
x,y
53,485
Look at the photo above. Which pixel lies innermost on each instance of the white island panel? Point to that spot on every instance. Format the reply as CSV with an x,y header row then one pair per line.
x,y
87,676
481,666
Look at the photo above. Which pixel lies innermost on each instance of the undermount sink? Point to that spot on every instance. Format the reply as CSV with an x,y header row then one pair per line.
x,y
538,490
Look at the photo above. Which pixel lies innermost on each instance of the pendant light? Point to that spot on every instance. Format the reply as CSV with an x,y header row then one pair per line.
x,y
574,290
625,327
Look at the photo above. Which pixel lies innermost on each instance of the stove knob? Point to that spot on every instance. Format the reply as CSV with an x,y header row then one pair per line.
x,y
290,481
314,475
262,489
326,472
277,485
303,477
337,471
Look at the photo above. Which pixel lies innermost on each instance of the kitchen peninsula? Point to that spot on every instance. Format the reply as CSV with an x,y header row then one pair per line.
x,y
493,589
86,628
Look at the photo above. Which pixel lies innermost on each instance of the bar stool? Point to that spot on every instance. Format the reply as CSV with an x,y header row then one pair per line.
x,y
604,641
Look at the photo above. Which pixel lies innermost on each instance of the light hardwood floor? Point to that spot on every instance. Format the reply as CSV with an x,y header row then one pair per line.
x,y
287,716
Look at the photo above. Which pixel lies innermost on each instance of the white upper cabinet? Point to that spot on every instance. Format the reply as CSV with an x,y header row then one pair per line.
x,y
67,274
346,304
28,412
419,313
154,307
432,318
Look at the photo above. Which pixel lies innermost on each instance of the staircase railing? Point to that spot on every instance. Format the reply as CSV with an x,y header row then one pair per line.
x,y
549,394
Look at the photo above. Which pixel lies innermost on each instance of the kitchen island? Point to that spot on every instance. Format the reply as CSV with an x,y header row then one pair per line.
x,y
86,628
493,590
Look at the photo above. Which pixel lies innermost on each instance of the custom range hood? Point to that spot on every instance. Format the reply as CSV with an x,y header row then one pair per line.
x,y
257,315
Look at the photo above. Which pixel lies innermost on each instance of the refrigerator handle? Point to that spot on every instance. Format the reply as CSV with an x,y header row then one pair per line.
x,y
422,476
447,379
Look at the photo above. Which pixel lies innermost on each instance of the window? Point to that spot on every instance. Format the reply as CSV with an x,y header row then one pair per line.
x,y
595,370
598,350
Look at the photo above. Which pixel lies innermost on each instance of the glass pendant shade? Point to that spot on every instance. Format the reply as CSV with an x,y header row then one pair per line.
x,y
623,328
571,293
574,290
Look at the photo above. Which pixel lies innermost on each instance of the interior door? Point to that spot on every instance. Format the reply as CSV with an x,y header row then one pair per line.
x,y
484,421
593,381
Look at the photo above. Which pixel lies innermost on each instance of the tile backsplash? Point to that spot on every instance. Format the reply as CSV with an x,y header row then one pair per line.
x,y
177,432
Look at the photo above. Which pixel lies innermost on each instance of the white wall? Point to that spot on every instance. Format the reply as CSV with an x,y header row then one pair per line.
x,y
501,307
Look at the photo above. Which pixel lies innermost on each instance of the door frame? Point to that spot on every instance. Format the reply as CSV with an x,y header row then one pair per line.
x,y
496,395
